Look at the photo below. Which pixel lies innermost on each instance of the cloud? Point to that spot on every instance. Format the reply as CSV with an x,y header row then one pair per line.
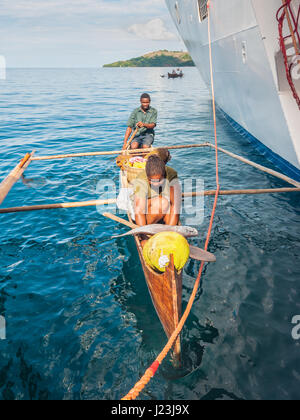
x,y
154,30
53,32
71,8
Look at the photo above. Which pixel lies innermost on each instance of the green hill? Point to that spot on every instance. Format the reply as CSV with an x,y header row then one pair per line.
x,y
163,58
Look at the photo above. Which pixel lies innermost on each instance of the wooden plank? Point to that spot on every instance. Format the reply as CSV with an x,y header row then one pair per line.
x,y
14,176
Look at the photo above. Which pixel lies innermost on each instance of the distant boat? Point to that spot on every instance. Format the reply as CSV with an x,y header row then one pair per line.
x,y
175,75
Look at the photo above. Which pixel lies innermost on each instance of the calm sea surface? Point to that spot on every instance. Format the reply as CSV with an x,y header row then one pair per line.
x,y
79,321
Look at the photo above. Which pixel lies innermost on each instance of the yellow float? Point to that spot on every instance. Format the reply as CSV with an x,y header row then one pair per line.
x,y
139,165
158,249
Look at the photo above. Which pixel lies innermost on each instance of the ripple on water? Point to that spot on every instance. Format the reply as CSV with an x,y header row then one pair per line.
x,y
80,322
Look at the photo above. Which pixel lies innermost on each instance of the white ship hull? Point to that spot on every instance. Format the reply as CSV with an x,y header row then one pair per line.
x,y
249,73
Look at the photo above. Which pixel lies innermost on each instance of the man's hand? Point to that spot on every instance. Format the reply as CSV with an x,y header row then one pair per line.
x,y
140,124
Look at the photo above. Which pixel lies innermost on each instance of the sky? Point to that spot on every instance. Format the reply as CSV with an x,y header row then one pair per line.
x,y
83,33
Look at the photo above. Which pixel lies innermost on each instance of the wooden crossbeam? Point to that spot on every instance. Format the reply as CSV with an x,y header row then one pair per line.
x,y
94,203
118,152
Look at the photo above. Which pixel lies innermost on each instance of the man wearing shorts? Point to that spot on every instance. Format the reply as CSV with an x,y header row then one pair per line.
x,y
144,118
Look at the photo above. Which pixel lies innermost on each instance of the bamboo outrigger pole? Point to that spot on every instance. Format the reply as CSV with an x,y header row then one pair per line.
x,y
189,146
118,152
257,166
53,206
7,184
94,203
241,192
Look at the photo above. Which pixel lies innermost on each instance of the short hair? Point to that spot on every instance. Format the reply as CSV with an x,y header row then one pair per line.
x,y
164,154
155,166
145,96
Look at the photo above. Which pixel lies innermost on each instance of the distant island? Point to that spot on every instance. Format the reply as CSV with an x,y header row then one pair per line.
x,y
162,58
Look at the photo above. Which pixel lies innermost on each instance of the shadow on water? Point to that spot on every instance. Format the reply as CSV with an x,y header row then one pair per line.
x,y
30,381
64,285
220,394
33,182
131,292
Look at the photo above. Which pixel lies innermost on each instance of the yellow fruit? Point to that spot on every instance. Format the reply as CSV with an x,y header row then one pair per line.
x,y
139,165
158,249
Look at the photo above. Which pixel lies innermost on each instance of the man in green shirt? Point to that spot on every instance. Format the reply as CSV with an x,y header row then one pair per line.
x,y
144,118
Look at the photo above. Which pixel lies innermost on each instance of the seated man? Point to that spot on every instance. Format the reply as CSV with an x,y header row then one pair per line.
x,y
157,194
144,118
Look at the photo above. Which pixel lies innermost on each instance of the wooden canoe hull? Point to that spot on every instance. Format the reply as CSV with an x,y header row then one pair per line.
x,y
165,290
174,76
166,293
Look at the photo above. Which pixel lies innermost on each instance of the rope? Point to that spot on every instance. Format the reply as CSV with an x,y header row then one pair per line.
x,y
285,10
150,372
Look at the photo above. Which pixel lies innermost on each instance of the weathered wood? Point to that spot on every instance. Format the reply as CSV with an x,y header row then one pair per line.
x,y
166,294
257,166
54,206
176,307
14,176
241,192
199,254
118,152
195,252
117,219
189,146
165,290
93,203
131,138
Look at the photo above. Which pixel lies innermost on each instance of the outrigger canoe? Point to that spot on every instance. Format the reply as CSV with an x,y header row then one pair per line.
x,y
165,290
174,75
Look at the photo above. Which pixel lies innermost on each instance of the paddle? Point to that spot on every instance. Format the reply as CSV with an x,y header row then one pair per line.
x,y
124,155
195,252
201,255
132,137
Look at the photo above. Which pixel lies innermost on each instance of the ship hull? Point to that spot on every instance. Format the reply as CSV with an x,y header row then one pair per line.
x,y
247,73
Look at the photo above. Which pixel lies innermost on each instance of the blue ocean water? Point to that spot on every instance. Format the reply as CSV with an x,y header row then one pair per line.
x,y
79,320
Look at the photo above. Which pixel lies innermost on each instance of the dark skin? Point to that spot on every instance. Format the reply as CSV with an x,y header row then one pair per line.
x,y
155,210
145,105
